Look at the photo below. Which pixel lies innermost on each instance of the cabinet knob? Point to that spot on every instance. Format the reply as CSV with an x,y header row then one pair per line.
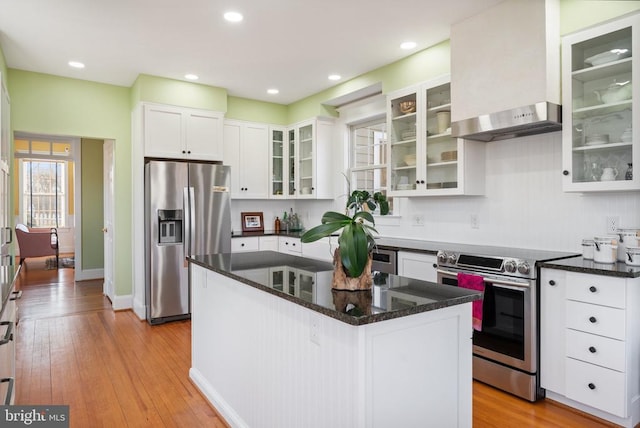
x,y
242,245
435,266
294,244
313,188
184,152
188,152
593,289
591,386
417,181
592,320
552,283
592,349
421,181
565,172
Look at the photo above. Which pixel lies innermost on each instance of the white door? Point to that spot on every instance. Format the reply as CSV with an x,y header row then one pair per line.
x,y
108,177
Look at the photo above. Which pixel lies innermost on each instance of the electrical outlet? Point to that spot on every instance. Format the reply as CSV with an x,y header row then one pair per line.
x,y
314,329
418,220
612,224
473,218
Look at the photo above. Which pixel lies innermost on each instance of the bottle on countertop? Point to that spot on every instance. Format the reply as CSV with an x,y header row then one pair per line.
x,y
277,225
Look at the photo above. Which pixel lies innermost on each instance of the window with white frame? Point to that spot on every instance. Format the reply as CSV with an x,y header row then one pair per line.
x,y
368,169
44,174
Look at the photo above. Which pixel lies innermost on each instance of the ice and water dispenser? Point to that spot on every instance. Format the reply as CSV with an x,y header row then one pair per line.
x,y
170,226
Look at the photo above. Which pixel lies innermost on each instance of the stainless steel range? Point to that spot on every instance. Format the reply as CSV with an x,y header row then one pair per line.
x,y
505,348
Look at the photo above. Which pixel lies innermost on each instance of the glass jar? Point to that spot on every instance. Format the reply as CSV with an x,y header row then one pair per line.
x,y
629,174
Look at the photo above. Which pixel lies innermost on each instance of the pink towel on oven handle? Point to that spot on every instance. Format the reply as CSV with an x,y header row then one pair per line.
x,y
473,282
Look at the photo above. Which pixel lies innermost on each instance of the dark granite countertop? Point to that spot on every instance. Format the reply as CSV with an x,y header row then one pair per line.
x,y
7,280
237,234
391,296
579,264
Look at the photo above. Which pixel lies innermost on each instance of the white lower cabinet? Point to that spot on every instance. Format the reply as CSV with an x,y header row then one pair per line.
x,y
245,244
590,343
321,249
287,244
417,265
269,243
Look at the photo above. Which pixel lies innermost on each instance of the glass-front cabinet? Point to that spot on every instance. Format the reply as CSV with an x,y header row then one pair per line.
x,y
306,161
424,158
279,163
600,107
291,162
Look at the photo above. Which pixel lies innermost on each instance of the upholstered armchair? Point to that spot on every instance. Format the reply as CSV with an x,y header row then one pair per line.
x,y
36,242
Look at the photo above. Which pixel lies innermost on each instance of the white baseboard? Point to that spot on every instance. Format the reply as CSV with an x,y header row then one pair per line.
x,y
221,406
140,310
87,274
120,303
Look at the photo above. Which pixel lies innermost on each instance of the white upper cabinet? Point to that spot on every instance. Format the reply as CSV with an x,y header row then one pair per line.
x,y
308,158
425,159
279,163
246,151
182,133
600,92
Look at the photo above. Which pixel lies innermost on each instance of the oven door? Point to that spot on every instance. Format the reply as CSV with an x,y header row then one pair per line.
x,y
508,319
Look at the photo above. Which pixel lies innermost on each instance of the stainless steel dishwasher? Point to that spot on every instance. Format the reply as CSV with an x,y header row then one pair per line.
x,y
385,260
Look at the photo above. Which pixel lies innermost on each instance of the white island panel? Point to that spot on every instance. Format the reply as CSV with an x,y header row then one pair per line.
x,y
264,361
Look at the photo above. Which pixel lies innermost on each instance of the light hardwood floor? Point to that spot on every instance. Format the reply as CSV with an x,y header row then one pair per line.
x,y
114,370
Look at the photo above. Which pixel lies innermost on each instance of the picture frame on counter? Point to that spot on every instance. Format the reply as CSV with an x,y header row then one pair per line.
x,y
252,222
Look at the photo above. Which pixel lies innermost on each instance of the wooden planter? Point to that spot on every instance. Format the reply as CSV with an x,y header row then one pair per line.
x,y
343,282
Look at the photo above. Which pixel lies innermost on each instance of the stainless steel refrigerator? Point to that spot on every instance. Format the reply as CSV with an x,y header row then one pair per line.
x,y
187,212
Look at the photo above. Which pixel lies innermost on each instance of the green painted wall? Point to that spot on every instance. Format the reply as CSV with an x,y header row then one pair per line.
x,y
92,204
178,93
579,14
52,105
256,111
424,65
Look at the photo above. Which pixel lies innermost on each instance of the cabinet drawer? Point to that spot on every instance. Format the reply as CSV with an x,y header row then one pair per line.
x,y
290,245
609,322
597,289
245,244
596,386
590,348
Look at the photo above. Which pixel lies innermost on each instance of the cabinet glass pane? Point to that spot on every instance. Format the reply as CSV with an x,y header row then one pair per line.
x,y
306,286
402,137
292,162
305,161
277,280
291,284
601,82
277,162
442,150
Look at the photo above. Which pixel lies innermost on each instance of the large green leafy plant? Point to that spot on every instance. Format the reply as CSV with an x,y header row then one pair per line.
x,y
356,239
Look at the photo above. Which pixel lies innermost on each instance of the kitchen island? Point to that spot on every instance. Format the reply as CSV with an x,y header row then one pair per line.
x,y
274,346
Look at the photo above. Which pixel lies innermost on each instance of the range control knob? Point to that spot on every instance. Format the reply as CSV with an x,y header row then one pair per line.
x,y
524,268
442,257
452,259
510,266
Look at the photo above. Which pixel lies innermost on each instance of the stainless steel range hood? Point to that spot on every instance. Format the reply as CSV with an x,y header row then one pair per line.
x,y
528,120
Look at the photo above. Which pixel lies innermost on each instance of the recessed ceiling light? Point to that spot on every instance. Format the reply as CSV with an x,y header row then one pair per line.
x,y
233,16
407,45
273,91
76,64
335,77
191,77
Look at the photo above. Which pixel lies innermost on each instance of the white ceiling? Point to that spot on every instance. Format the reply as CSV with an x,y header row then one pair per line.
x,y
292,45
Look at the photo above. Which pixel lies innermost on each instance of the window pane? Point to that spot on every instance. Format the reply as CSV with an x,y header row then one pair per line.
x,y
61,149
369,157
44,193
41,147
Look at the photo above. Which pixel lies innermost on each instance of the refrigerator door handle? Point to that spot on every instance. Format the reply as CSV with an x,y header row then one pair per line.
x,y
186,206
192,221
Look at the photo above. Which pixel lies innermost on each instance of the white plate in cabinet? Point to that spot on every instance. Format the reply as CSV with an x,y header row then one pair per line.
x,y
601,320
596,386
597,289
594,349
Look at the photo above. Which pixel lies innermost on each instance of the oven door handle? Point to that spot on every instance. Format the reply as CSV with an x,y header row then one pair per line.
x,y
499,282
